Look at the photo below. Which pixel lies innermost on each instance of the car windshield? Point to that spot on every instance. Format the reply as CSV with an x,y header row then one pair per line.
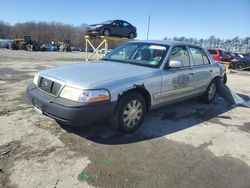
x,y
107,22
142,54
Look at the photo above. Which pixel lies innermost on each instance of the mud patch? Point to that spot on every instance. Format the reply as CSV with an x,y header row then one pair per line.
x,y
12,76
75,60
246,127
41,67
6,152
217,121
198,114
157,163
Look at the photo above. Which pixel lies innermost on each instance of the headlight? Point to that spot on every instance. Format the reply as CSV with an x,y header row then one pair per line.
x,y
81,95
35,80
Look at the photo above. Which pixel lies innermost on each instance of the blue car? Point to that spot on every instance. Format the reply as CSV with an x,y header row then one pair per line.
x,y
240,62
5,43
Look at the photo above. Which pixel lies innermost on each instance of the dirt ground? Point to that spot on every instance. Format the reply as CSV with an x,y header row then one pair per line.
x,y
188,144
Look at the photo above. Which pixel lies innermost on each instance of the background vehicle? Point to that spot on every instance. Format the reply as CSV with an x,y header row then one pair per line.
x,y
228,56
65,46
237,55
240,62
216,54
5,43
76,49
53,47
25,43
118,28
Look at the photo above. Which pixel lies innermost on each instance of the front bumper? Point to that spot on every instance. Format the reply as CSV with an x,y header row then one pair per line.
x,y
93,32
69,112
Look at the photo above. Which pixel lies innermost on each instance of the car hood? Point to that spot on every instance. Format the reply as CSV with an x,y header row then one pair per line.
x,y
93,25
84,75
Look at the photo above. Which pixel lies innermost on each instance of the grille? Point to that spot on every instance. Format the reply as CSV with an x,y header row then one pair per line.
x,y
49,86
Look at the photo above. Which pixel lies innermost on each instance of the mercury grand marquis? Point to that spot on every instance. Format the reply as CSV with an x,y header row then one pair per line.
x,y
131,80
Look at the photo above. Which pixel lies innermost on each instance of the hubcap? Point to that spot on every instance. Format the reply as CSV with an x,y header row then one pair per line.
x,y
211,91
106,33
240,66
132,113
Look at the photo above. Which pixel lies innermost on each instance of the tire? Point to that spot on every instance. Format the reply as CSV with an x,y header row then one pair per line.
x,y
131,35
129,113
106,32
210,93
240,65
224,78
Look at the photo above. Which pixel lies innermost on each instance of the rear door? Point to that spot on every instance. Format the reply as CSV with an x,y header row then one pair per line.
x,y
126,29
116,28
202,69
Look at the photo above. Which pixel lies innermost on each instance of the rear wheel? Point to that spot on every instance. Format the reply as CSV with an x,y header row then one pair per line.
x,y
240,65
131,35
130,112
210,93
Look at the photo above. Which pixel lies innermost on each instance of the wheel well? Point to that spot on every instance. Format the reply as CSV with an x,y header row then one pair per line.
x,y
105,29
141,90
131,33
240,62
216,78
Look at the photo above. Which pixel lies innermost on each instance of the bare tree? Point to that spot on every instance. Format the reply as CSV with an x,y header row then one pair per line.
x,y
44,32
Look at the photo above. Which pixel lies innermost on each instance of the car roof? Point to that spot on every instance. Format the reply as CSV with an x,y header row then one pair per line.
x,y
165,42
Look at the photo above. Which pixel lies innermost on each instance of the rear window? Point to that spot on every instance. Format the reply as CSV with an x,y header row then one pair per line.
x,y
212,52
199,56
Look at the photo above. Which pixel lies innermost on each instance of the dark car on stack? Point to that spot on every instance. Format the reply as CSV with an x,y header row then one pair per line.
x,y
118,28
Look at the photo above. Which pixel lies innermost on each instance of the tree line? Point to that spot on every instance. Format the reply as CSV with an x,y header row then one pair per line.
x,y
44,32
235,44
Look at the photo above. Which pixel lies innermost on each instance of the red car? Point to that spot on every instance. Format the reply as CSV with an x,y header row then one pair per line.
x,y
216,54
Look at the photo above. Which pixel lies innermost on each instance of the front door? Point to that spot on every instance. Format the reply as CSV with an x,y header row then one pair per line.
x,y
177,82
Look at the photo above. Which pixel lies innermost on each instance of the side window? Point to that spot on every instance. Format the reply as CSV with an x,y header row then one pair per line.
x,y
199,56
180,53
125,24
116,23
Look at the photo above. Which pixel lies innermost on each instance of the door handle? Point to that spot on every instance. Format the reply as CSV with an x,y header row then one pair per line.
x,y
211,71
191,74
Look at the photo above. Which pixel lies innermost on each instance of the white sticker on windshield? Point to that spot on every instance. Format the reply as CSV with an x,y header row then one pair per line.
x,y
157,47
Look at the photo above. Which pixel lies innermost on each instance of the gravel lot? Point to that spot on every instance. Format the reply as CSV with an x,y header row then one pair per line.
x,y
188,144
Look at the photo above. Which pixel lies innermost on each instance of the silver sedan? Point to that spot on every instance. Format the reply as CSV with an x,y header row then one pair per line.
x,y
129,81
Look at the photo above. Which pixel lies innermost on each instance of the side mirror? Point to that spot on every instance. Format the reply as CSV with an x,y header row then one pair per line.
x,y
175,64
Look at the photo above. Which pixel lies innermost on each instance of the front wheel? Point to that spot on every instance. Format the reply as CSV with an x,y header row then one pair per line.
x,y
210,93
106,32
130,112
